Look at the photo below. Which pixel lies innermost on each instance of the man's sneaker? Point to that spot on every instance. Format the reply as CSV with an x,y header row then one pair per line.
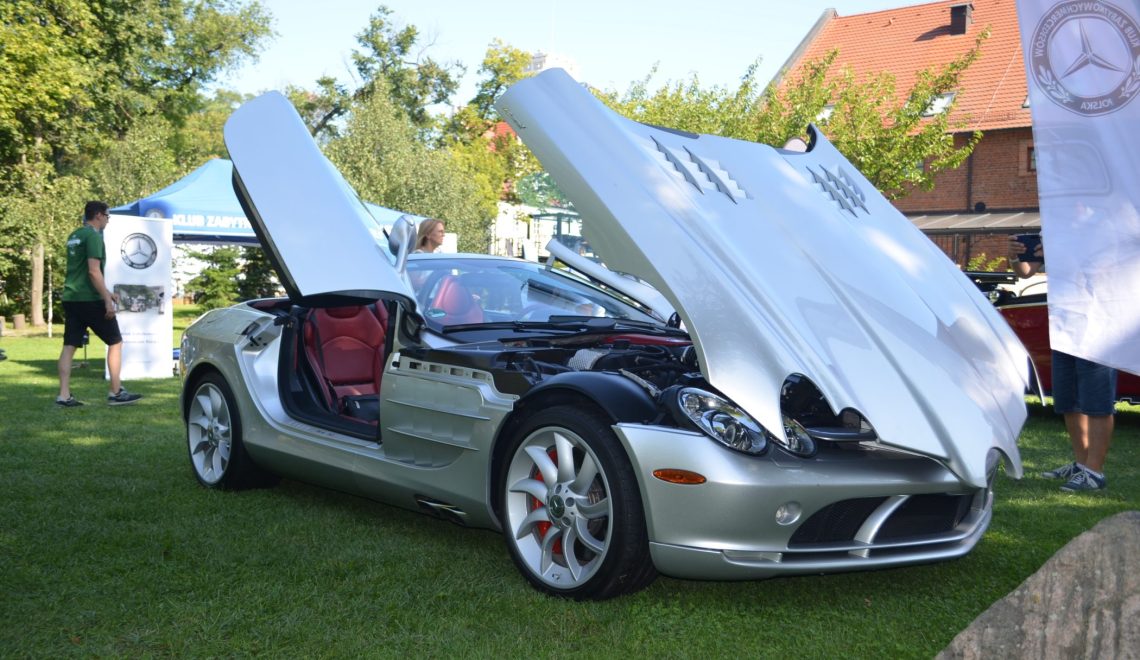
x,y
1065,472
1084,480
69,402
123,398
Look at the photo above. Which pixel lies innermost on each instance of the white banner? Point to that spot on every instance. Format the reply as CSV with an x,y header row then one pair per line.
x,y
1083,63
138,270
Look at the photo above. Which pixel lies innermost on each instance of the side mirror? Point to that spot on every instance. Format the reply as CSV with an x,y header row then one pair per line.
x,y
400,240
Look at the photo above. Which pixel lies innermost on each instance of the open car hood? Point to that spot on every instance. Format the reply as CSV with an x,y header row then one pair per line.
x,y
784,263
324,244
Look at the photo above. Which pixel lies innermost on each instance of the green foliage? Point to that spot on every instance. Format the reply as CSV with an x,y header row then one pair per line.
x,y
217,284
688,106
49,210
198,137
381,156
540,190
390,61
492,158
258,279
44,74
383,63
137,165
884,138
503,66
74,74
102,90
980,262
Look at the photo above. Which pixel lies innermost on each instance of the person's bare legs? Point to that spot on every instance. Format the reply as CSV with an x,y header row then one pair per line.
x,y
1099,438
1077,424
115,365
64,367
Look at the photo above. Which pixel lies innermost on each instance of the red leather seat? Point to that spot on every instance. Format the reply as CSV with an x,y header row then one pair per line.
x,y
345,346
456,303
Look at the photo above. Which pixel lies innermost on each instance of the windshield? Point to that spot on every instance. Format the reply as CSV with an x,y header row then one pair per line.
x,y
452,292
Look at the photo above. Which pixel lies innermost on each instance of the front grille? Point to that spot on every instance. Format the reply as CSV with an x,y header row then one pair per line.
x,y
918,517
924,515
835,522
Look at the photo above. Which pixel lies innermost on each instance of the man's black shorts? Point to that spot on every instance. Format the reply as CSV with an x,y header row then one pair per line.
x,y
80,315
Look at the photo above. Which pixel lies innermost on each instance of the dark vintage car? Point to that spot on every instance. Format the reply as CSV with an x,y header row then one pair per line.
x,y
1024,305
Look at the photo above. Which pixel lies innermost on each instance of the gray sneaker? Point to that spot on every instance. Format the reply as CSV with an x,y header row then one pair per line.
x,y
69,402
123,398
1065,472
1084,480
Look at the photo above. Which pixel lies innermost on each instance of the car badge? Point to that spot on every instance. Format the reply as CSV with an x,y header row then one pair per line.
x,y
138,251
1086,58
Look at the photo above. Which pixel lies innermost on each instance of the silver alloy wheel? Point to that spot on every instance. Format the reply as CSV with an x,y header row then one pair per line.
x,y
558,507
209,431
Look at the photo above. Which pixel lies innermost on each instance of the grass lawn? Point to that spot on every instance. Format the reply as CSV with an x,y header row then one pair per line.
x,y
108,547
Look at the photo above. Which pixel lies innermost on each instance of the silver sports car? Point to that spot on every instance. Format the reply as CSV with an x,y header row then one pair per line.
x,y
794,381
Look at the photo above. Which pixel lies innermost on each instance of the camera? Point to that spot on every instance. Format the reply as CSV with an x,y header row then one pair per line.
x,y
1030,241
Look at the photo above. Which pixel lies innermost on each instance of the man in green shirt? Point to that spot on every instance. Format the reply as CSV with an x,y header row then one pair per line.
x,y
88,303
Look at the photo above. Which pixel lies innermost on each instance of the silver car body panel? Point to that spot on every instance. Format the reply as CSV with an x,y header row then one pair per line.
x,y
441,422
306,214
762,299
693,535
784,263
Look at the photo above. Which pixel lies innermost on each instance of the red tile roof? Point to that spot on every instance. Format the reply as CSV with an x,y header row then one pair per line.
x,y
911,39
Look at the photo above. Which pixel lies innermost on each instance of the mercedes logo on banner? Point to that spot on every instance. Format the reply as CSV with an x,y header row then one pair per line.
x,y
1085,56
139,251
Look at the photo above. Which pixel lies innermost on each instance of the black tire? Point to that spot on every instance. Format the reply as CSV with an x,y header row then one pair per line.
x,y
583,537
214,439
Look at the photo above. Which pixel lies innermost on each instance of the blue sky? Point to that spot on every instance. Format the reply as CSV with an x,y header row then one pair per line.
x,y
613,42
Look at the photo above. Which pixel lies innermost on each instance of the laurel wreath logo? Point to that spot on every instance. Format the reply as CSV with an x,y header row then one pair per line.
x,y
1132,85
1054,88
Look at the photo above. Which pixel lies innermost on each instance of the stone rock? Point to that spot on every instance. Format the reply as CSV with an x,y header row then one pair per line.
x,y
1083,603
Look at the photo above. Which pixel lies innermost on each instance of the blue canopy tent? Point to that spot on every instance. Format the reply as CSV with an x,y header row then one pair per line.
x,y
204,209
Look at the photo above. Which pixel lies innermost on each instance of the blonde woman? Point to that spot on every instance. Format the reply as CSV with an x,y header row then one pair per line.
x,y
430,235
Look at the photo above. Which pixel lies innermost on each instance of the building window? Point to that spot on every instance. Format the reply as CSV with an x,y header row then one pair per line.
x,y
1027,159
940,104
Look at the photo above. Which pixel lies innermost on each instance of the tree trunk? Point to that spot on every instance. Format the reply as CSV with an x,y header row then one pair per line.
x,y
37,301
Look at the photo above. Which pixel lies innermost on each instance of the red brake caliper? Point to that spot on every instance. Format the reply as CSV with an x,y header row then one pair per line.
x,y
544,527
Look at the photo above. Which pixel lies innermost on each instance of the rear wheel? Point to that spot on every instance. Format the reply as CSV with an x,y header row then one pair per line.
x,y
214,439
571,509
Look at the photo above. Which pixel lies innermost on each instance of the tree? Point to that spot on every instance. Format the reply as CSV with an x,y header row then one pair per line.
x,y
503,65
77,74
257,276
392,61
493,158
32,232
381,155
217,284
136,165
884,138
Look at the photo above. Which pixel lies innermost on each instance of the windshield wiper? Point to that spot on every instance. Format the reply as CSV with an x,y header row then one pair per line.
x,y
571,324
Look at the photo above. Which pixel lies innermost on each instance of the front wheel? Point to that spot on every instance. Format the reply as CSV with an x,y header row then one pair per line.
x,y
214,439
571,510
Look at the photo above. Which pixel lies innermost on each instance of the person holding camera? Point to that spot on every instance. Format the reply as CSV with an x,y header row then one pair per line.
x,y
1084,392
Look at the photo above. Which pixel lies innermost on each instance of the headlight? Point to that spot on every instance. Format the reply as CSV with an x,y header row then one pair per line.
x,y
722,421
799,441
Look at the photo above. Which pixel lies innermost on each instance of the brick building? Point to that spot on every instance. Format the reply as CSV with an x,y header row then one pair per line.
x,y
972,209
